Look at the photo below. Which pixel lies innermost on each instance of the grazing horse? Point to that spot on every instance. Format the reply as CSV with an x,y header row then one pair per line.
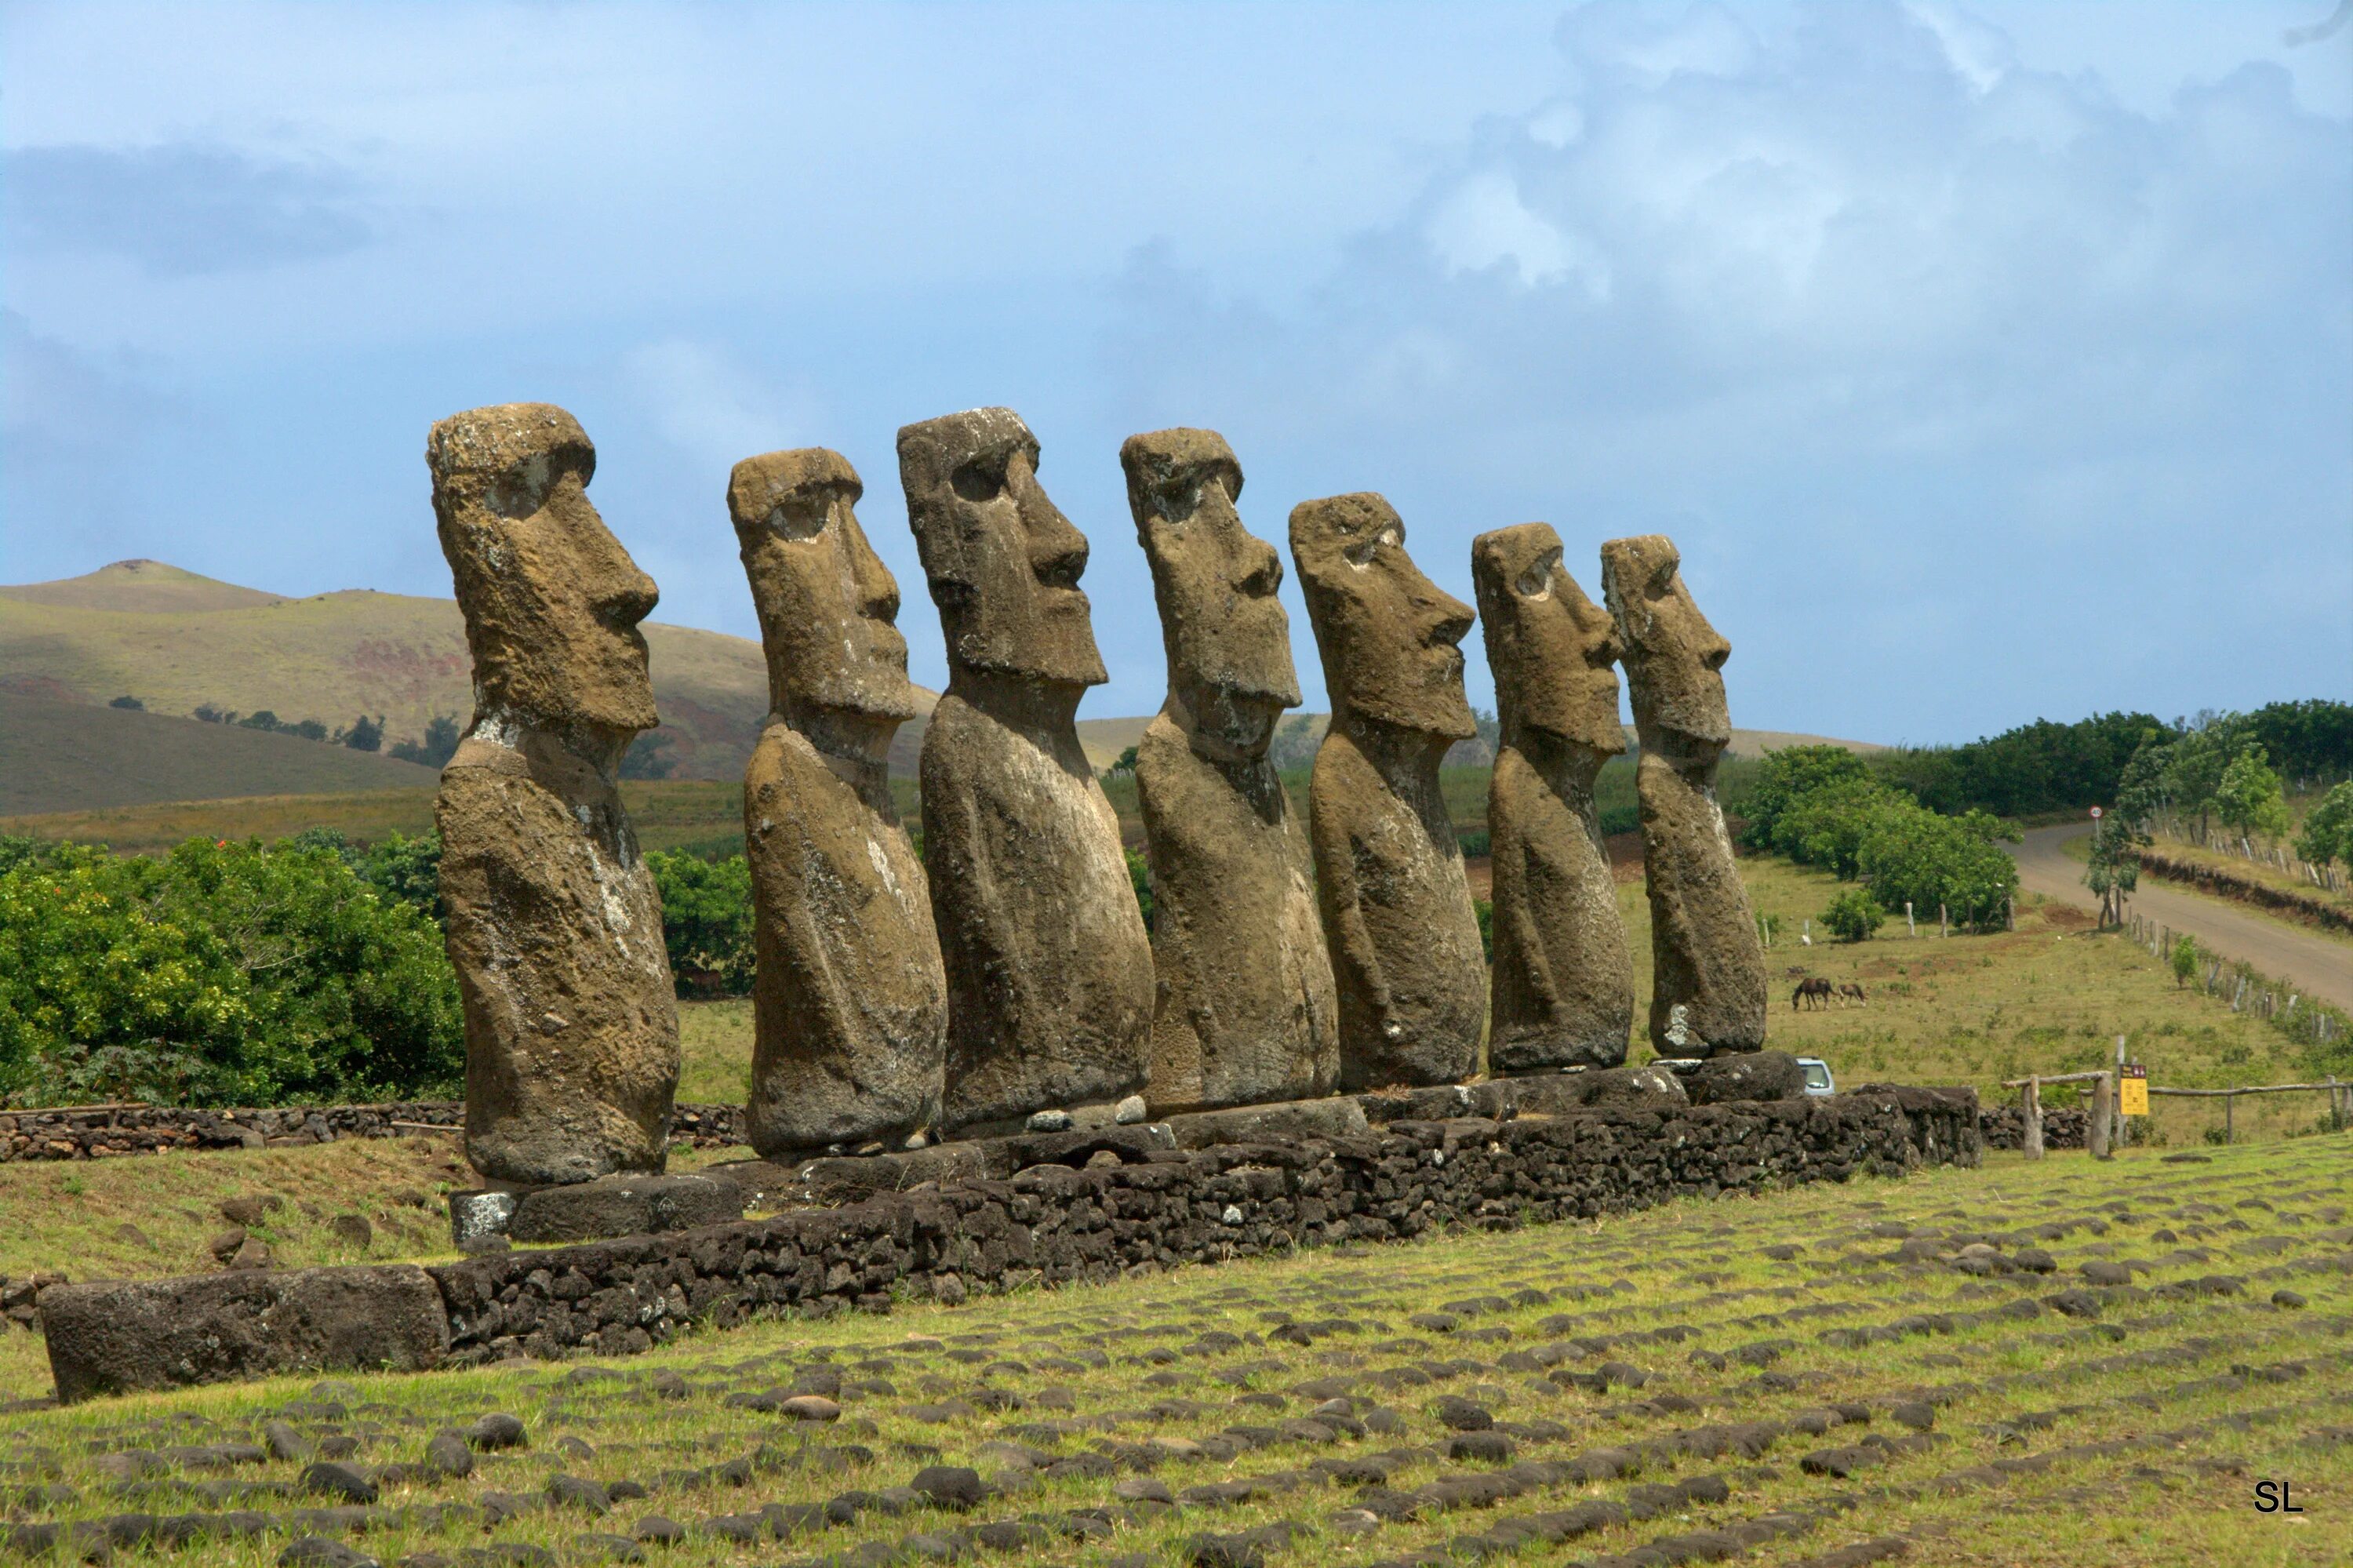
x,y
1816,988
1850,990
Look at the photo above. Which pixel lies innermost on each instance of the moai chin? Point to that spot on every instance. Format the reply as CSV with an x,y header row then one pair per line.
x,y
1397,910
850,1005
1563,992
1707,990
1049,969
555,925
1244,1010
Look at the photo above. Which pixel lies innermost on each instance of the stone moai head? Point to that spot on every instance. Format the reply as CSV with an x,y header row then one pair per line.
x,y
1003,561
1388,636
829,606
1552,650
551,600
1228,638
1674,659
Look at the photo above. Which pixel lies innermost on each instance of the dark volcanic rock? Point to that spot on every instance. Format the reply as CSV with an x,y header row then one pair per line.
x,y
1754,1076
163,1333
623,1206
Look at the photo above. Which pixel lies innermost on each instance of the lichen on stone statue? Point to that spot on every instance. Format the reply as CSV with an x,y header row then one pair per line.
x,y
1049,967
1708,994
1245,1010
850,1003
1398,917
1563,989
555,925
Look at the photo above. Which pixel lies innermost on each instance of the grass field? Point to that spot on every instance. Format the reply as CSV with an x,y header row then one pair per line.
x,y
89,756
1796,1374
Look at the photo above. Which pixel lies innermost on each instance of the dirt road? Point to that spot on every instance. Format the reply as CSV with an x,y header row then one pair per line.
x,y
2318,965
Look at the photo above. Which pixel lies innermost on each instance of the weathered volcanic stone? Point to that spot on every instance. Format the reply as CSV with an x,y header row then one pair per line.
x,y
623,1206
1049,967
1750,1075
1563,992
1389,881
555,925
1707,995
850,1005
1245,1009
115,1338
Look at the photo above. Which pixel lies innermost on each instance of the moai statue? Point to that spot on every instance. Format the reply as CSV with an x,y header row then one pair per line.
x,y
1245,1010
1388,869
849,1008
1563,990
1049,969
1707,988
554,924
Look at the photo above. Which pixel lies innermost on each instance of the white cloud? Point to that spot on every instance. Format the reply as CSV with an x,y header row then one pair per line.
x,y
703,402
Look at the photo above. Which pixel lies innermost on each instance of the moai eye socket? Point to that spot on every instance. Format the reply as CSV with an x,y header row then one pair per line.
x,y
1536,577
1662,578
522,489
980,478
801,518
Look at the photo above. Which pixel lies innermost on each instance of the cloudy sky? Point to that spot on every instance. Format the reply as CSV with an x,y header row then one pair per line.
x,y
1986,360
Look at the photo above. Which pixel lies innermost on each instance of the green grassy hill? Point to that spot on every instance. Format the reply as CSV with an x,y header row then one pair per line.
x,y
176,640
84,757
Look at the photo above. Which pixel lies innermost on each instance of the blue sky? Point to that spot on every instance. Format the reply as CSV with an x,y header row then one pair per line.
x,y
1987,361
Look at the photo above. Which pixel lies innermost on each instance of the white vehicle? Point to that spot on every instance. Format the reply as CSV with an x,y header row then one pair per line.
x,y
1819,1081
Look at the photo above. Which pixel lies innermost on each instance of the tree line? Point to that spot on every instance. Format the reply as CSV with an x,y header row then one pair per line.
x,y
2043,768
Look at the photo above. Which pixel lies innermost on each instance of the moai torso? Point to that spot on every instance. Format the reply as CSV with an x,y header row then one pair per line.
x,y
850,1005
555,925
1396,909
1245,1009
1049,967
1563,990
1707,994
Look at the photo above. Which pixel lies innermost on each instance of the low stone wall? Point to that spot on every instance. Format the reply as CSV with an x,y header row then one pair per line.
x,y
105,1132
1119,1210
2312,909
2004,1127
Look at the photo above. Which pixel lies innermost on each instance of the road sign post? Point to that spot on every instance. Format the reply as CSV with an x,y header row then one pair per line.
x,y
2132,1089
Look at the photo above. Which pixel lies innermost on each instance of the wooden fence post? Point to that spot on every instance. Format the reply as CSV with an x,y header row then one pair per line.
x,y
2030,1105
1909,928
2230,1105
2096,1134
1944,922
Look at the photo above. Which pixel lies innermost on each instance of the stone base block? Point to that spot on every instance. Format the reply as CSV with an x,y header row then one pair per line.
x,y
1341,1117
623,1206
118,1337
1748,1075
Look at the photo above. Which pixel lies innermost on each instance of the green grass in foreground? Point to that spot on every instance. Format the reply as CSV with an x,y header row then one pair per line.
x,y
1113,1387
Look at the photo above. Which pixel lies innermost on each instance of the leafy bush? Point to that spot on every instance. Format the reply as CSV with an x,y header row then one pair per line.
x,y
706,921
1139,876
2183,961
1820,805
2329,832
219,974
1853,915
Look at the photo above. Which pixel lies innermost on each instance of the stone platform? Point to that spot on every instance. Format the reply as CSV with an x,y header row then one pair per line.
x,y
1077,1218
643,1206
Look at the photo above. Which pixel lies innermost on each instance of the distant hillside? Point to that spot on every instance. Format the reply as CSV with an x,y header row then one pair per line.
x,y
176,640
65,755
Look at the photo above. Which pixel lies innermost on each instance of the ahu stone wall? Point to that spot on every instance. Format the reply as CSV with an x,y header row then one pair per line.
x,y
1052,1224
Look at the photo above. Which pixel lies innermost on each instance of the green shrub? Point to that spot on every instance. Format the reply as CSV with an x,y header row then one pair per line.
x,y
221,974
1486,910
1139,876
2184,960
1852,915
706,921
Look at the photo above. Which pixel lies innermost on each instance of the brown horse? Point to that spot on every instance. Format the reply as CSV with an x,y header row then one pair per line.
x,y
1816,988
1851,989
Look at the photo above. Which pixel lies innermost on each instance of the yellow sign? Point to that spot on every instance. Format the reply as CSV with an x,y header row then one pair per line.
x,y
2133,1091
